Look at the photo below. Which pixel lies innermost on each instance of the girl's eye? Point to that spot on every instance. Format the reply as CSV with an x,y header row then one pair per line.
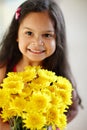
x,y
29,33
47,35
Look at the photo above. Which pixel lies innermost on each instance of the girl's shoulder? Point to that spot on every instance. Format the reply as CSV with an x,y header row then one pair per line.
x,y
2,73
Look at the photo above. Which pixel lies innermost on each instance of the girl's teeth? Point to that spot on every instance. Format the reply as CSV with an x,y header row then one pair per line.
x,y
36,51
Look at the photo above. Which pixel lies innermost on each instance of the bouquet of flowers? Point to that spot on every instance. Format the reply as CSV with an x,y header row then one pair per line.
x,y
35,99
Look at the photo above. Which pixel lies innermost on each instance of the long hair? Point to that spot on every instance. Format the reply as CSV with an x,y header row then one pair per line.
x,y
10,54
58,61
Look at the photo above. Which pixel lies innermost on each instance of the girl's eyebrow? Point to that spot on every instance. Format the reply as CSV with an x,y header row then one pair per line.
x,y
42,31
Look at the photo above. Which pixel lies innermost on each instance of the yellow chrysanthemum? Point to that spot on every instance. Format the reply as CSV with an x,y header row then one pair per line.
x,y
4,98
48,75
26,92
8,113
65,97
28,76
32,68
30,73
39,101
18,104
34,121
56,118
39,84
36,95
63,83
13,76
13,86
55,100
52,115
62,121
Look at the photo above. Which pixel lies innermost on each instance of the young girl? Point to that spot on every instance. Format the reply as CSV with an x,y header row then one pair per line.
x,y
37,36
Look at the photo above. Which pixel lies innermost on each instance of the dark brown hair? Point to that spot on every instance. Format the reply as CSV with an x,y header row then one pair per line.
x,y
10,54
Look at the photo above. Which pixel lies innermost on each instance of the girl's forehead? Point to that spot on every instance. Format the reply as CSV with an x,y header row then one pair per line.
x,y
38,19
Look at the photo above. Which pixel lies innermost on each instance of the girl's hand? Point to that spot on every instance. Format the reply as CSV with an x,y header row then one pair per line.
x,y
73,110
4,126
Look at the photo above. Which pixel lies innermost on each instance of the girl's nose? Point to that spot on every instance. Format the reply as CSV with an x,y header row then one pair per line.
x,y
38,40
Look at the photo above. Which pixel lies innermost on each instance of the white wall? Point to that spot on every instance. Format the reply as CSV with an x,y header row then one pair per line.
x,y
75,13
76,25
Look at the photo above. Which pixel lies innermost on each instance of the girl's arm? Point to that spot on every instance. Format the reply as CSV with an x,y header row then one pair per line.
x,y
2,73
73,109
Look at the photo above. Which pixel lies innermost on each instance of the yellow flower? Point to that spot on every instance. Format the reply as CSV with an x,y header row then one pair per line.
x,y
39,84
8,113
47,75
12,76
39,101
14,87
4,98
55,100
63,83
13,83
28,75
27,92
65,97
18,104
36,95
62,121
52,116
34,121
56,117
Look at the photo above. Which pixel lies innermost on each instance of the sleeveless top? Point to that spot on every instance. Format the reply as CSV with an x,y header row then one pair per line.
x,y
14,69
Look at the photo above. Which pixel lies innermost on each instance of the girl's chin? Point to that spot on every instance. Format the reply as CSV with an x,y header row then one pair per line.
x,y
36,58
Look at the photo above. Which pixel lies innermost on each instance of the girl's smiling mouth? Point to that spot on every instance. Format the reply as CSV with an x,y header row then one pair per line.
x,y
36,51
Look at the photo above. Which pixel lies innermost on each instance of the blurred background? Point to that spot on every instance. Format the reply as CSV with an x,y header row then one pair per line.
x,y
75,14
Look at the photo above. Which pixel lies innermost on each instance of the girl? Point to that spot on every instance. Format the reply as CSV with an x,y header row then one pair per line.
x,y
37,36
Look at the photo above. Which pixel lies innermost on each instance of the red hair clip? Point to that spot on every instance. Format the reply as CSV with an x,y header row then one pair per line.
x,y
17,14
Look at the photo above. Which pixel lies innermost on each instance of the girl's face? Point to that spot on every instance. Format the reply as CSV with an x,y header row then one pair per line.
x,y
36,37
